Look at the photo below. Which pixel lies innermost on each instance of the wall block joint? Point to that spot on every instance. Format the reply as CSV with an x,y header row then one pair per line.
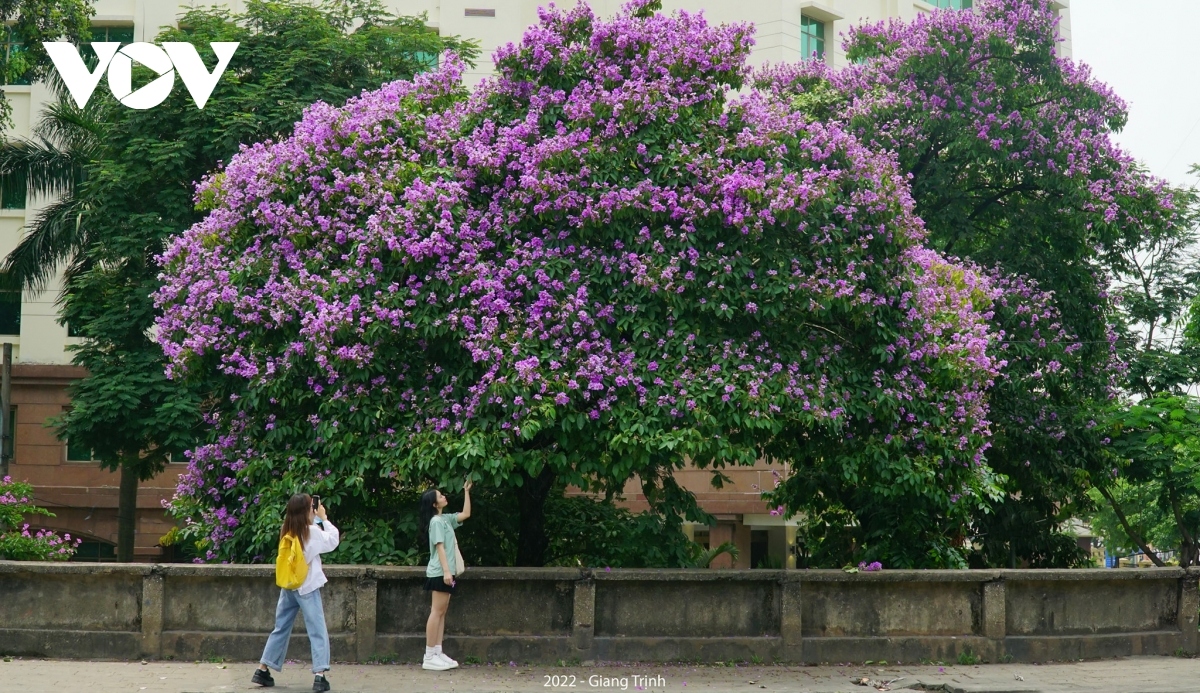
x,y
366,600
1189,610
584,615
153,613
790,625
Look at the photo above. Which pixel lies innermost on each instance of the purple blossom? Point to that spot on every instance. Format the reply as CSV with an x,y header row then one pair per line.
x,y
418,226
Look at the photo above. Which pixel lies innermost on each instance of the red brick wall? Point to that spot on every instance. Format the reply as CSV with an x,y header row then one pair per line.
x,y
82,496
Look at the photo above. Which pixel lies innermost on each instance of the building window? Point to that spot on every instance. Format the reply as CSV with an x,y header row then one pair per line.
x,y
13,188
79,453
95,551
109,34
14,61
11,447
812,39
952,4
427,61
10,312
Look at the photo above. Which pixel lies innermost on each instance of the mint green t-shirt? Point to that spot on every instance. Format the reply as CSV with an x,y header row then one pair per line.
x,y
441,531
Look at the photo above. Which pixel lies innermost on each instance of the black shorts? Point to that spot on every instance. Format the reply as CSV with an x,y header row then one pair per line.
x,y
437,584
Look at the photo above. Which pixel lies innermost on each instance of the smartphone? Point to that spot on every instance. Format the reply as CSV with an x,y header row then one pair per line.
x,y
316,503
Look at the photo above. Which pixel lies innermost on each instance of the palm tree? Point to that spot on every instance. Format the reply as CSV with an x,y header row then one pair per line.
x,y
52,163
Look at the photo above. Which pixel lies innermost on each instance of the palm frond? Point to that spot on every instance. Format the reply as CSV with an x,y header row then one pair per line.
x,y
709,555
70,126
47,168
57,234
53,164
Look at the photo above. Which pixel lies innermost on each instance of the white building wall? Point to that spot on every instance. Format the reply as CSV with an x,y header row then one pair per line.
x,y
777,23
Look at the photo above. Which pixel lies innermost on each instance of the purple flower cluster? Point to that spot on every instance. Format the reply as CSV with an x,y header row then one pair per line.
x,y
599,242
42,545
8,498
22,544
1058,136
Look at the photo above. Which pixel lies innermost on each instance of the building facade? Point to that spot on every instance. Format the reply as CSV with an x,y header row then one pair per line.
x,y
84,497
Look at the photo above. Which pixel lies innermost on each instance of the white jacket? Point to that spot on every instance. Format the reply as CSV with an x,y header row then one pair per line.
x,y
319,541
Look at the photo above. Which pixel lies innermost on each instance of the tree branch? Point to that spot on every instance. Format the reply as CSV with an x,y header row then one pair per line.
x,y
980,207
1183,532
1129,529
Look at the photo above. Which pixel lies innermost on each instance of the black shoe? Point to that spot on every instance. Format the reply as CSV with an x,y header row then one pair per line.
x,y
263,678
320,684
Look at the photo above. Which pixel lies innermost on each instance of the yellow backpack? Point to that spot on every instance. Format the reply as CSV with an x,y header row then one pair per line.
x,y
290,567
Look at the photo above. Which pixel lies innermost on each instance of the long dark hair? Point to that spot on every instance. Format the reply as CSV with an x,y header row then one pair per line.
x,y
295,518
427,510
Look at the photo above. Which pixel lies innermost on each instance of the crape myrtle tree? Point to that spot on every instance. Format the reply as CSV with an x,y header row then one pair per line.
x,y
594,267
1007,148
126,179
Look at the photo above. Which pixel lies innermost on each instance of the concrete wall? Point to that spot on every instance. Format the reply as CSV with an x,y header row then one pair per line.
x,y
109,611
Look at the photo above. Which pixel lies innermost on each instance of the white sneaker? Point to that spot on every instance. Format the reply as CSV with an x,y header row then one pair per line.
x,y
447,660
436,663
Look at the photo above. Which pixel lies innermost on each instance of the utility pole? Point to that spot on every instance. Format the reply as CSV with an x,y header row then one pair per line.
x,y
6,434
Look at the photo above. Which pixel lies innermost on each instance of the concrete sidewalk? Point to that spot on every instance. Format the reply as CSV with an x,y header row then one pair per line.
x,y
1128,675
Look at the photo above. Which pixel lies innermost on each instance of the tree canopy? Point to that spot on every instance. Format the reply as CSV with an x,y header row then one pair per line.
x,y
1011,163
1154,503
28,23
603,264
596,266
128,178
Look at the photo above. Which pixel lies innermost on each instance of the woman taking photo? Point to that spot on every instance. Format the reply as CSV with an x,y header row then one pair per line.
x,y
445,561
304,520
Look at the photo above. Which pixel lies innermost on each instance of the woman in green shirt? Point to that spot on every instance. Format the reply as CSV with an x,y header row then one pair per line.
x,y
445,561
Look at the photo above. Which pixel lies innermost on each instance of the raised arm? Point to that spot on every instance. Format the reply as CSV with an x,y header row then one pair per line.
x,y
466,511
325,540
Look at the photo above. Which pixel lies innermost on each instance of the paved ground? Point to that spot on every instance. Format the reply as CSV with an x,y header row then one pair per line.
x,y
1131,675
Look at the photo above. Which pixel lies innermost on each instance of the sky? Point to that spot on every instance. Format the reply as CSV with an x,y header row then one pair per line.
x,y
1149,52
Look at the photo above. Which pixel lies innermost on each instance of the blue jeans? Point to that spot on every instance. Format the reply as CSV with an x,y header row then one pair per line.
x,y
314,622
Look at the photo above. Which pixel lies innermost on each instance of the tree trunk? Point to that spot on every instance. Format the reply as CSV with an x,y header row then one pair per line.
x,y
127,513
532,541
1187,544
1129,528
